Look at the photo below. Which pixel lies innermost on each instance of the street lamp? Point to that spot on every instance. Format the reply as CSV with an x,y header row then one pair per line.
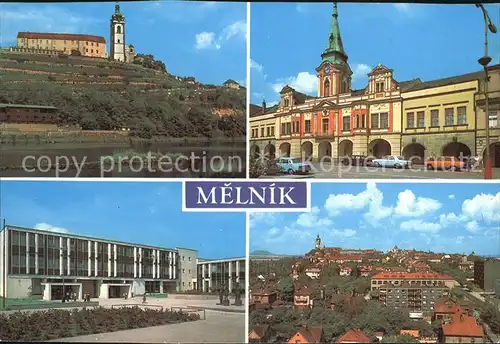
x,y
484,61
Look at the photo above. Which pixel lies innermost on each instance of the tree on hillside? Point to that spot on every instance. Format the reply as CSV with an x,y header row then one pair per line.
x,y
399,339
285,289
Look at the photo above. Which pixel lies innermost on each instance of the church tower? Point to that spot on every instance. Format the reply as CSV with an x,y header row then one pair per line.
x,y
317,243
334,73
117,39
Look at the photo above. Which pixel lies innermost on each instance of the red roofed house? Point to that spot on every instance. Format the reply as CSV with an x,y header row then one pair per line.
x,y
462,329
354,336
345,271
259,334
308,334
445,310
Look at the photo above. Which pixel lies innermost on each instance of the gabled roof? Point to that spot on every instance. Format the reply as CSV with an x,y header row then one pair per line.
x,y
259,330
380,68
447,81
61,36
462,325
312,334
354,336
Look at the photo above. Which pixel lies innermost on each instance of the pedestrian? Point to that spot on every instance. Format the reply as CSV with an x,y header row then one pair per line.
x,y
144,298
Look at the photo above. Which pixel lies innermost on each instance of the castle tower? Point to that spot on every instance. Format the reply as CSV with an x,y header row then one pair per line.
x,y
334,73
117,38
317,243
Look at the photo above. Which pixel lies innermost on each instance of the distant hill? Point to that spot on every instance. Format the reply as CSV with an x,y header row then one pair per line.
x,y
98,94
262,253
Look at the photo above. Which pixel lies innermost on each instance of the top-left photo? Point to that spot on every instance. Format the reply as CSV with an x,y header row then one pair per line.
x,y
134,89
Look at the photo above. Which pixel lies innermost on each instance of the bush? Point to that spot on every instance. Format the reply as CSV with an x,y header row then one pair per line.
x,y
54,324
262,166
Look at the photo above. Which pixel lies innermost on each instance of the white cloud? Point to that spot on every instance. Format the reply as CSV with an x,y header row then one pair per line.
x,y
452,196
51,228
402,7
459,239
304,82
236,29
418,225
254,65
371,198
345,232
360,71
411,206
472,226
312,219
483,207
206,40
210,40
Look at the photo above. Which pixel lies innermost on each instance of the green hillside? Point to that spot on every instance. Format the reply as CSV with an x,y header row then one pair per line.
x,y
105,95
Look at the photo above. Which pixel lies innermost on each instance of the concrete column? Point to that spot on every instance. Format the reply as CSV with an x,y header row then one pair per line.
x,y
89,246
68,256
95,259
203,278
161,288
140,262
80,290
209,277
115,262
175,265
27,253
47,292
36,253
109,260
158,256
153,267
230,276
238,271
135,262
61,272
170,265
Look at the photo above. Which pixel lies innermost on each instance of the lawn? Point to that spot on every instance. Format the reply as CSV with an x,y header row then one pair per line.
x,y
27,301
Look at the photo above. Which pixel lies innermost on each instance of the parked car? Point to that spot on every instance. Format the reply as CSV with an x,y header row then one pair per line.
x,y
394,161
357,160
293,166
445,163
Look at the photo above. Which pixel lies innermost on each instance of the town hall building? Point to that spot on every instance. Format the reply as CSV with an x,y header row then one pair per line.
x,y
388,117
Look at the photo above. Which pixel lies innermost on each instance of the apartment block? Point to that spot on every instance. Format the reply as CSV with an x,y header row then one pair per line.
x,y
486,273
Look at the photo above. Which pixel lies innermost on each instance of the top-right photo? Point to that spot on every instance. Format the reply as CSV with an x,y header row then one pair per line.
x,y
375,91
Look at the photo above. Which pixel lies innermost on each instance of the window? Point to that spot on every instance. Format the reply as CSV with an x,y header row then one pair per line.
x,y
384,120
272,131
182,257
461,115
325,125
420,119
363,121
449,117
434,118
296,127
118,29
374,120
493,119
261,132
97,51
118,40
286,128
307,126
326,88
379,87
268,133
410,120
346,123
189,271
287,102
92,51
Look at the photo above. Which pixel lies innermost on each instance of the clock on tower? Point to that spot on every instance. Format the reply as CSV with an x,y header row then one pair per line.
x,y
327,69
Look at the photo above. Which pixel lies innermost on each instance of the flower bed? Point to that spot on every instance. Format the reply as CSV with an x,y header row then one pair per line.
x,y
54,324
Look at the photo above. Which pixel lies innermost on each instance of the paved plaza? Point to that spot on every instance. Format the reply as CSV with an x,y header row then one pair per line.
x,y
336,171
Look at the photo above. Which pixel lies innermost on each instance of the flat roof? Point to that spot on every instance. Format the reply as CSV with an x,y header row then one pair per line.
x,y
222,260
24,106
75,236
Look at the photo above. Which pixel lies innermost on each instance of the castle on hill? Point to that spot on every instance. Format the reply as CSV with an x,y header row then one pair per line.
x,y
49,43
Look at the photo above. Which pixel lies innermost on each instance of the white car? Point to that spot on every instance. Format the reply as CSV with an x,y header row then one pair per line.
x,y
394,161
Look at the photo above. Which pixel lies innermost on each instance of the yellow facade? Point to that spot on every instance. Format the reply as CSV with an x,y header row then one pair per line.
x,y
89,46
440,120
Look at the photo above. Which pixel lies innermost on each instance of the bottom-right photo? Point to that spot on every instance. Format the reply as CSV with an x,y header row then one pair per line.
x,y
379,262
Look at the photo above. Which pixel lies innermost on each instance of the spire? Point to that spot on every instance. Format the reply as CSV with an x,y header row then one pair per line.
x,y
334,52
117,7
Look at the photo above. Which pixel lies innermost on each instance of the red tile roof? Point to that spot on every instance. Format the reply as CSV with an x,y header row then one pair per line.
x,y
313,334
354,336
61,36
447,307
462,325
259,330
411,275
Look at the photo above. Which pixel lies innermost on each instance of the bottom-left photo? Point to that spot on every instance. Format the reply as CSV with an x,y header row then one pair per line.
x,y
118,262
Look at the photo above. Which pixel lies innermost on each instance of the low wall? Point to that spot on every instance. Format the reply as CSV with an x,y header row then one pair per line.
x,y
51,305
193,297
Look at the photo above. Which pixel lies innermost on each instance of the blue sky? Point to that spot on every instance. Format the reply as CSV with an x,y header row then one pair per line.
x,y
447,217
415,40
143,213
201,39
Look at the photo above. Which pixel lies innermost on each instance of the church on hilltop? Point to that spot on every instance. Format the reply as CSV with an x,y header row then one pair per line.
x,y
50,43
